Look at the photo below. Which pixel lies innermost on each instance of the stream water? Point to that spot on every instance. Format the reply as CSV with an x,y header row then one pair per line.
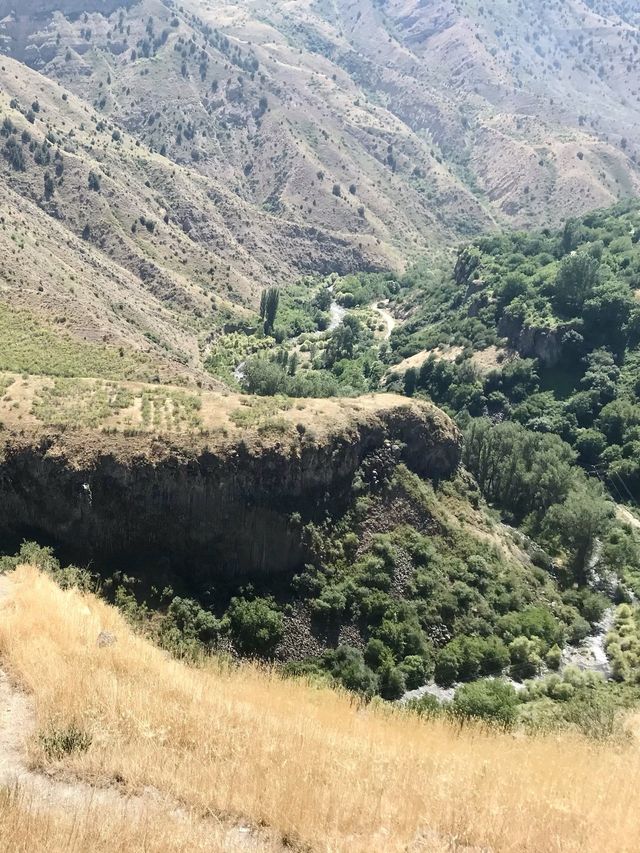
x,y
336,313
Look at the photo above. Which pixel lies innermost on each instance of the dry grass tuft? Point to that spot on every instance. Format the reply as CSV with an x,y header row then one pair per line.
x,y
313,764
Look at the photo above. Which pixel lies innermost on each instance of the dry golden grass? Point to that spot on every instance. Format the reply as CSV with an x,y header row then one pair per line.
x,y
311,763
26,826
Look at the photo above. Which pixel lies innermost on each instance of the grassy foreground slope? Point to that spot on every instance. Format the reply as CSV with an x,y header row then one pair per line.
x,y
323,770
27,826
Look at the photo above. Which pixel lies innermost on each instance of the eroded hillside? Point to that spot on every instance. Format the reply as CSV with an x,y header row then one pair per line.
x,y
431,119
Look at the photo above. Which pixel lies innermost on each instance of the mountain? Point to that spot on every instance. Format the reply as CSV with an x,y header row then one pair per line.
x,y
176,159
444,116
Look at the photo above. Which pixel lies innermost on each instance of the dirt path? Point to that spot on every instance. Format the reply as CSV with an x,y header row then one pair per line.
x,y
17,725
389,320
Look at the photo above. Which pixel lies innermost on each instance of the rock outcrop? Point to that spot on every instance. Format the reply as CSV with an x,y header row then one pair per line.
x,y
538,342
234,509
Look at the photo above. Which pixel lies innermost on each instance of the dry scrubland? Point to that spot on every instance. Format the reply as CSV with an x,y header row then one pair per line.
x,y
314,765
136,407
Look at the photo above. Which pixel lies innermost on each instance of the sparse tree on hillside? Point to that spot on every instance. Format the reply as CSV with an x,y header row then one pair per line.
x,y
49,187
269,301
410,379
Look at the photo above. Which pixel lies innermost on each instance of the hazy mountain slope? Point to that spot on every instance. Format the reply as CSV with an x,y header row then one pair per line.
x,y
272,125
243,143
528,103
433,119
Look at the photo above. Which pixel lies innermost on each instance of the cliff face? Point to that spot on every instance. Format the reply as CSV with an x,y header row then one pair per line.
x,y
532,342
221,512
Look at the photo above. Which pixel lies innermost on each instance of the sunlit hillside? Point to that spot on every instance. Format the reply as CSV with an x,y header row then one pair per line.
x,y
287,762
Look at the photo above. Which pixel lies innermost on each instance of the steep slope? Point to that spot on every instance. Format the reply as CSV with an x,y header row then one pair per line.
x,y
159,255
316,768
441,117
280,128
534,106
209,150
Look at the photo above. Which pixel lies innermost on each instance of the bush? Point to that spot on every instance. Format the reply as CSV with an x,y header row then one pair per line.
x,y
447,666
186,629
330,604
491,699
60,742
525,657
466,658
391,682
553,657
425,706
415,670
533,622
346,664
255,626
378,655
495,657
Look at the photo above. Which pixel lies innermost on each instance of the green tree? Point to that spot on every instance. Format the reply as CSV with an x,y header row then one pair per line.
x,y
269,302
447,665
577,522
575,281
263,377
410,378
391,682
255,625
490,699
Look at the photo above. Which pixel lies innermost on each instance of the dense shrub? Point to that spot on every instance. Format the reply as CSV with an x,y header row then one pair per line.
x,y
255,625
346,664
490,699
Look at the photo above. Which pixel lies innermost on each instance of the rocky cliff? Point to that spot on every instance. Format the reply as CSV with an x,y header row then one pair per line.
x,y
538,342
24,25
230,510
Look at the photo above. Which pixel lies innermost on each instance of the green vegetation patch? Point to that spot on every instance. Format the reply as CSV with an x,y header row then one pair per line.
x,y
259,412
171,410
79,402
28,346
